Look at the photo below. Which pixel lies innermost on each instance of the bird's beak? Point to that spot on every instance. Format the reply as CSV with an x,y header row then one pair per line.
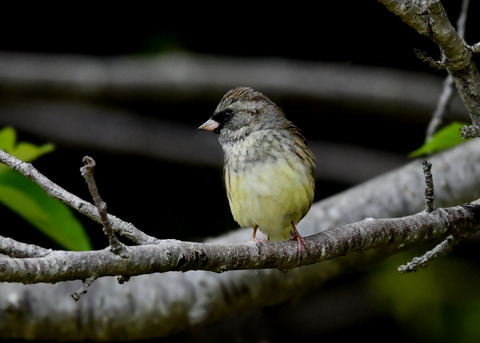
x,y
209,125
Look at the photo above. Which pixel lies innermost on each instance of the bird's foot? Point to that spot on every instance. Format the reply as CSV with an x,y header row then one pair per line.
x,y
263,240
294,235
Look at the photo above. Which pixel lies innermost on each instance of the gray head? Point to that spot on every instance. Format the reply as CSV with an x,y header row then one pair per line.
x,y
242,111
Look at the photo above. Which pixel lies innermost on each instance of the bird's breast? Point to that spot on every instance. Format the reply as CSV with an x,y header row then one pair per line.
x,y
270,191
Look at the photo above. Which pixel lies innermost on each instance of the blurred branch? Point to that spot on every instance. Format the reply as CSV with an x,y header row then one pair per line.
x,y
183,300
188,78
121,131
175,77
441,109
171,302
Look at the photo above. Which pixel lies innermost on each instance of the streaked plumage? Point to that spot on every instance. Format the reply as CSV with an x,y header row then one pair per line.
x,y
269,170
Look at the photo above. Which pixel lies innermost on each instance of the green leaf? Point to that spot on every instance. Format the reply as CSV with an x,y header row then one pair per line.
x,y
30,201
447,137
24,151
49,215
28,152
8,137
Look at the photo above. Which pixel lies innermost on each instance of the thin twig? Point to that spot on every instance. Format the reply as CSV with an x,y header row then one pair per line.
x,y
441,109
86,283
440,250
123,228
87,172
462,18
429,192
475,48
446,245
423,56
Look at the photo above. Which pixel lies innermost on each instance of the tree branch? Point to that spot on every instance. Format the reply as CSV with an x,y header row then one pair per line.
x,y
171,255
87,172
170,302
182,256
182,300
429,19
127,229
12,248
429,190
440,250
183,77
447,91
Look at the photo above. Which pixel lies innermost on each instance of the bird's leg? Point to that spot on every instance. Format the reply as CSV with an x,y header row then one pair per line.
x,y
255,239
301,241
255,233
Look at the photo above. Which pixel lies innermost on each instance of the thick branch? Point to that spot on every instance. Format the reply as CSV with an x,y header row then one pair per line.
x,y
168,302
182,256
170,255
245,287
429,19
12,248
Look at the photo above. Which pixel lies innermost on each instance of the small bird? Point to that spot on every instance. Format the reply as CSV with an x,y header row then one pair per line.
x,y
269,171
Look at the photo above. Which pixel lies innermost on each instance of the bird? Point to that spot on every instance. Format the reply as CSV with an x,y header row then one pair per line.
x,y
269,172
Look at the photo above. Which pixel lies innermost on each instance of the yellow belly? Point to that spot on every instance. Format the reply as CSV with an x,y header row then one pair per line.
x,y
270,195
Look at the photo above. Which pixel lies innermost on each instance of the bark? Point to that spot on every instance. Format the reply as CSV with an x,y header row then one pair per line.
x,y
163,304
157,305
429,19
171,255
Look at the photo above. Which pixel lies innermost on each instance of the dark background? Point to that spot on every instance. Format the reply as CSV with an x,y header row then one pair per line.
x,y
186,201
350,32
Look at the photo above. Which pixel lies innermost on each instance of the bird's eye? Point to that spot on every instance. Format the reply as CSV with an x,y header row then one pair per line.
x,y
227,115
